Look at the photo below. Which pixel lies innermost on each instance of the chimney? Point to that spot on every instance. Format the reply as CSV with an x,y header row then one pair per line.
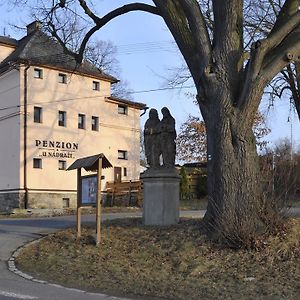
x,y
34,26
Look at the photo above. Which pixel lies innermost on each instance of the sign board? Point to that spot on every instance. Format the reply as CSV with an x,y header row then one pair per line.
x,y
89,190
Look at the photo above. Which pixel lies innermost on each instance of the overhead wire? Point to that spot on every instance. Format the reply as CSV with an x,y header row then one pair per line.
x,y
88,97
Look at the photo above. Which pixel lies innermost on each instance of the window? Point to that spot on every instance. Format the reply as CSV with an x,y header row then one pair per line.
x,y
38,73
37,114
62,118
81,121
96,85
122,109
95,123
125,172
62,78
37,163
122,154
62,165
66,202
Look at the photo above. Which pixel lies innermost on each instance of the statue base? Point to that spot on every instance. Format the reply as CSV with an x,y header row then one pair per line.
x,y
161,196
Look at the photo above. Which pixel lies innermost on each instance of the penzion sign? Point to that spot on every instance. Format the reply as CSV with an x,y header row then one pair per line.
x,y
57,149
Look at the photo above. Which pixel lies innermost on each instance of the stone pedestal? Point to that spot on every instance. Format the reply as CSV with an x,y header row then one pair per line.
x,y
161,196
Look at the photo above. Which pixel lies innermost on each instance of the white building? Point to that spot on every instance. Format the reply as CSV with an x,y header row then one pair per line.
x,y
53,111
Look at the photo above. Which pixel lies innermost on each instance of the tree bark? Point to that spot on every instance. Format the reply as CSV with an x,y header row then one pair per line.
x,y
233,185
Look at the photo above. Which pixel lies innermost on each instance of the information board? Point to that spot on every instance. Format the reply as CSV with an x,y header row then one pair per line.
x,y
89,190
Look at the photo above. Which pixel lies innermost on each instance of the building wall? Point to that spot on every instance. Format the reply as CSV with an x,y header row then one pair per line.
x,y
116,132
10,131
5,50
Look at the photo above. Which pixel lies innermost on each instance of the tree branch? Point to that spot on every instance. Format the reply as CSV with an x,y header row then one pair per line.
x,y
88,12
276,37
198,28
176,20
61,42
282,55
289,8
126,9
269,56
99,23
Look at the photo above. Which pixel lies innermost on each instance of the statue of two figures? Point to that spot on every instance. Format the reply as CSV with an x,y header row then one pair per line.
x,y
159,139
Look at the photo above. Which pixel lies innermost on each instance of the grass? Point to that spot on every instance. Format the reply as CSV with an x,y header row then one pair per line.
x,y
175,262
67,211
193,204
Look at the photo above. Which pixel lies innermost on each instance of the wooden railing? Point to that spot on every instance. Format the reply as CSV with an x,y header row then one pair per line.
x,y
125,193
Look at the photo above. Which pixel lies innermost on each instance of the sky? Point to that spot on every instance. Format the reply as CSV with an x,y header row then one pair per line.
x,y
146,53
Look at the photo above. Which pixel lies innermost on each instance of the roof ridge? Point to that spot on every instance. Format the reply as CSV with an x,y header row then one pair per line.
x,y
38,48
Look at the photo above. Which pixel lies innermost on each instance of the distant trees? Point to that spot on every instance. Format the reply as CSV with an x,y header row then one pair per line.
x,y
191,142
280,176
103,55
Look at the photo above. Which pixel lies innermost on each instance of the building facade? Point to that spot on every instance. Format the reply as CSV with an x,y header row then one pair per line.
x,y
53,111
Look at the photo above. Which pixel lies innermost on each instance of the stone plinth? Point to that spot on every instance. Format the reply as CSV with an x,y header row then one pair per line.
x,y
161,196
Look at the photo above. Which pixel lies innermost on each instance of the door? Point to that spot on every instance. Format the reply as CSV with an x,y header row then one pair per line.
x,y
117,174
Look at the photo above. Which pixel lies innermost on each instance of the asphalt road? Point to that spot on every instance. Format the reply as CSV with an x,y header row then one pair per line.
x,y
16,232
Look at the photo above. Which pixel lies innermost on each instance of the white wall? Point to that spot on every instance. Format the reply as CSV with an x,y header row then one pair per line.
x,y
10,131
5,50
117,132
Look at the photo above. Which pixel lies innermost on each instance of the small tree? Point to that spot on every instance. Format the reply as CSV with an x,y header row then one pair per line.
x,y
191,142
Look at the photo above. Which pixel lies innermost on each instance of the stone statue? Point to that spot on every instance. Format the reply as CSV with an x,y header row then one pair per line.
x,y
167,136
151,140
159,139
161,183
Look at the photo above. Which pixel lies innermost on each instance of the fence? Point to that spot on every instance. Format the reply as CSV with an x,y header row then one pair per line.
x,y
125,193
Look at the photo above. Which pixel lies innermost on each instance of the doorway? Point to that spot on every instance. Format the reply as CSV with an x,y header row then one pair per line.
x,y
117,174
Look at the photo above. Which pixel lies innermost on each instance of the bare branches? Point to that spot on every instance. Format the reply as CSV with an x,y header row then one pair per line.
x,y
276,37
89,12
99,22
289,8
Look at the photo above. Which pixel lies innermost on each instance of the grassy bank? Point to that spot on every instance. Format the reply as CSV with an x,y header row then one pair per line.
x,y
176,262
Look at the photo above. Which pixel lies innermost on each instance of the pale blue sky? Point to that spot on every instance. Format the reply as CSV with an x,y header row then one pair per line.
x,y
146,52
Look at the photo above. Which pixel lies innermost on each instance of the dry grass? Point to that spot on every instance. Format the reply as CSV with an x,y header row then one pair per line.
x,y
22,213
193,204
176,262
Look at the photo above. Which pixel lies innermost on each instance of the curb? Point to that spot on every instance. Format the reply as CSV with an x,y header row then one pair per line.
x,y
12,268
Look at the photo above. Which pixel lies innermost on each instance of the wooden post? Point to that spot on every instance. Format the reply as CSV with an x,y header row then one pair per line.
x,y
98,212
79,193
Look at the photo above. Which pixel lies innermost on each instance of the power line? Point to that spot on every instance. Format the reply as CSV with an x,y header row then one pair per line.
x,y
100,96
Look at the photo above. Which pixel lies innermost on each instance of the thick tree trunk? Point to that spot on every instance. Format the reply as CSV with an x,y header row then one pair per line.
x,y
233,185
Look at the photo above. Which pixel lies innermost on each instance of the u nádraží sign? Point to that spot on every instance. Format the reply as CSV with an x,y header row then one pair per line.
x,y
56,149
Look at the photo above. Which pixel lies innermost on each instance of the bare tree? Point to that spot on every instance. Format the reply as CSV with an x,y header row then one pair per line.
x,y
103,55
229,90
